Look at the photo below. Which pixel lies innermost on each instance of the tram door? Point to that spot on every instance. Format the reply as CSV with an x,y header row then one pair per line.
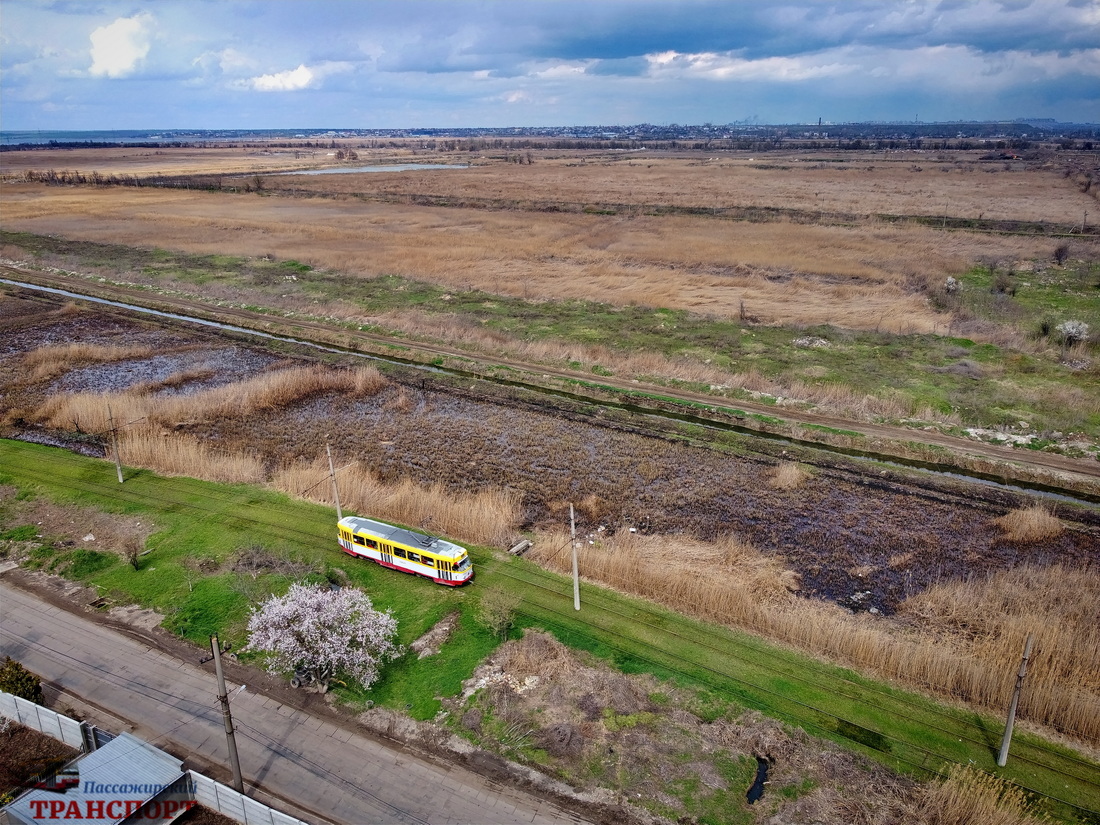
x,y
443,569
387,553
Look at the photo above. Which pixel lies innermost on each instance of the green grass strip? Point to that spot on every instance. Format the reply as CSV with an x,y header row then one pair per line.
x,y
201,520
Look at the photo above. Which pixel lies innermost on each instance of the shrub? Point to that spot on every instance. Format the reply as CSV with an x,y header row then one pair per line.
x,y
497,611
1073,332
18,681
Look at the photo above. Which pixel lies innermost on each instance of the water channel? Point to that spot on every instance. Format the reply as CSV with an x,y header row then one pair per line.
x,y
1030,488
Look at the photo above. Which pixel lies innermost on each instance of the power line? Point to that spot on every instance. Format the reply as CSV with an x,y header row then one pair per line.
x,y
294,531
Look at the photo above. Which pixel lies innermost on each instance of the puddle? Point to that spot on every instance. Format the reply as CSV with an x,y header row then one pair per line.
x,y
757,789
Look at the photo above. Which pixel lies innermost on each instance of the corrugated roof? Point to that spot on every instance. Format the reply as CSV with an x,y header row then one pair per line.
x,y
124,770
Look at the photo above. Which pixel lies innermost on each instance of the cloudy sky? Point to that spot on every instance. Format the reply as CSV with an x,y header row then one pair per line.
x,y
172,64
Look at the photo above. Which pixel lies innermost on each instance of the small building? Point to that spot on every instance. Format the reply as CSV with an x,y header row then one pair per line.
x,y
124,781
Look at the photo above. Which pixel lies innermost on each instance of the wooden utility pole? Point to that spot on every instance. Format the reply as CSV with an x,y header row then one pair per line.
x,y
114,442
1002,757
335,490
576,575
227,717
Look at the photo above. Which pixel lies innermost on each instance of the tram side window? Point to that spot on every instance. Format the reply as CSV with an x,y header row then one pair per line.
x,y
372,544
358,539
399,552
413,556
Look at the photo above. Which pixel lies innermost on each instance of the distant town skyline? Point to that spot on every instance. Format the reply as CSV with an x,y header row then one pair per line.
x,y
275,64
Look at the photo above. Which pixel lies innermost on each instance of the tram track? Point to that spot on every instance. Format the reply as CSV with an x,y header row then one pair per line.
x,y
652,641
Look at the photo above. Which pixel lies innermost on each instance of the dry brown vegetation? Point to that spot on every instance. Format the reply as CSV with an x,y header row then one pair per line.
x,y
47,362
957,639
957,183
971,797
274,389
788,476
866,277
1030,524
486,517
177,454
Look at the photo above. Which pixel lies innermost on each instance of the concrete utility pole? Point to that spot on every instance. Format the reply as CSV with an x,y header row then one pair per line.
x,y
335,490
234,762
1002,757
576,575
114,442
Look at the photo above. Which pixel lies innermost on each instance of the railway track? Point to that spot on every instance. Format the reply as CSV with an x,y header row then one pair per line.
x,y
902,730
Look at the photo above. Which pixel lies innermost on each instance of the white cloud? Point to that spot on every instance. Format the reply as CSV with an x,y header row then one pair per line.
x,y
287,81
119,47
727,66
232,61
562,71
304,77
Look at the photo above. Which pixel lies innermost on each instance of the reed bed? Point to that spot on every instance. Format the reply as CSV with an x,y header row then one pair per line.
x,y
1029,524
269,391
788,476
183,455
969,796
50,361
487,517
754,593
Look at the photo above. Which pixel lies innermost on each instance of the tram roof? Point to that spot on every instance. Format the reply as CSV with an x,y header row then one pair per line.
x,y
399,535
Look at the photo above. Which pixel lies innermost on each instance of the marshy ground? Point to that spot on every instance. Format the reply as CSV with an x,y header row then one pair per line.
x,y
854,532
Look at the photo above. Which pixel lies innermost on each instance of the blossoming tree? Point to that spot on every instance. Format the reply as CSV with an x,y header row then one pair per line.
x,y
324,634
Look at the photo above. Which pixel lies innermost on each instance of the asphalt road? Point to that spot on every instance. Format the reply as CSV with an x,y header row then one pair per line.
x,y
333,773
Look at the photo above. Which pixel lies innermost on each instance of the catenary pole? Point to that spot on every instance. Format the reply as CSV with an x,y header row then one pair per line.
x,y
234,762
114,442
1002,757
576,575
335,490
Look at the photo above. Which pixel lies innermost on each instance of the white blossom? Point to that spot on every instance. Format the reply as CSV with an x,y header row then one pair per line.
x,y
1073,331
327,633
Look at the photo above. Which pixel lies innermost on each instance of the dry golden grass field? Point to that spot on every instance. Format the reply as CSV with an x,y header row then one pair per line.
x,y
852,271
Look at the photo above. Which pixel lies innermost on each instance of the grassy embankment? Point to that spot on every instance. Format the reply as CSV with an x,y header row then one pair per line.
x,y
203,531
